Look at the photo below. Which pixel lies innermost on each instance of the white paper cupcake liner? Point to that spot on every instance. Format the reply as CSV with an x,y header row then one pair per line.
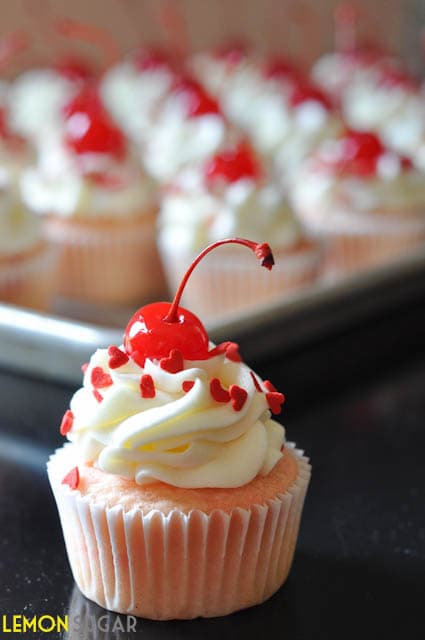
x,y
28,279
350,254
358,241
179,565
229,281
107,262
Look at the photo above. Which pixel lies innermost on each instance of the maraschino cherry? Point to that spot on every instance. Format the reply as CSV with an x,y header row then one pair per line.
x,y
232,165
360,154
196,99
89,129
361,151
233,53
305,91
161,329
280,69
150,59
73,68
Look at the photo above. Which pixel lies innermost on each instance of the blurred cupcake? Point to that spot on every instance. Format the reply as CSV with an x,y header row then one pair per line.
x,y
228,196
366,201
27,263
389,101
287,116
178,495
133,89
99,208
188,128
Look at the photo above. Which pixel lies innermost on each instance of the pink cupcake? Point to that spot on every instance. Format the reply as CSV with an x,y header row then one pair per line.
x,y
98,206
366,202
178,494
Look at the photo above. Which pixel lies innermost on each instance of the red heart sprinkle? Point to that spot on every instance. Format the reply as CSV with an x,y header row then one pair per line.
x,y
231,349
238,396
275,401
84,367
232,352
97,395
187,385
147,387
67,422
269,386
72,478
174,362
117,358
218,393
256,383
100,379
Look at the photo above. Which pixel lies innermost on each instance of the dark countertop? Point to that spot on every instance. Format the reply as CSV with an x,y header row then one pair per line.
x,y
360,560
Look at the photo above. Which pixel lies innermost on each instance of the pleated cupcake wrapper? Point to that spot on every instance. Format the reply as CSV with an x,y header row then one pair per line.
x,y
113,264
351,253
29,280
222,285
179,565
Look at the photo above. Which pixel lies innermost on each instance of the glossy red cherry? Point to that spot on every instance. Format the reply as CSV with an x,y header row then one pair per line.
x,y
233,53
149,334
150,59
89,129
304,91
280,69
197,101
360,153
390,77
232,165
160,328
73,68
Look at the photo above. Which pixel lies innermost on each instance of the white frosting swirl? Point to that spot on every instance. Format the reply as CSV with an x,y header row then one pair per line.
x,y
20,230
186,439
36,99
133,96
192,215
56,185
176,140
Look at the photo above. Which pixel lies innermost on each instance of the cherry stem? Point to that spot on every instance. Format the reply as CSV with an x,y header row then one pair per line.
x,y
93,35
346,19
12,44
261,250
173,23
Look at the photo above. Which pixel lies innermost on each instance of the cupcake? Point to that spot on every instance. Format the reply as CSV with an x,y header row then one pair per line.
x,y
188,128
98,206
230,195
287,116
177,492
368,202
26,261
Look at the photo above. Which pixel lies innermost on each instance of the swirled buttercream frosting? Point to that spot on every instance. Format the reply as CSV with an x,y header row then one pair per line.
x,y
204,423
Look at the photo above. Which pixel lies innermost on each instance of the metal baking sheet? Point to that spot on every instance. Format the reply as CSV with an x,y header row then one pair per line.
x,y
55,347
